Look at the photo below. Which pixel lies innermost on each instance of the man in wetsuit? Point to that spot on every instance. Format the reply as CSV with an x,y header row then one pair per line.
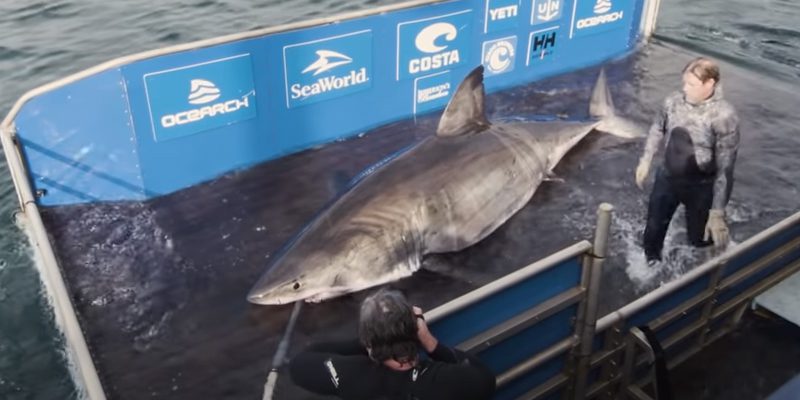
x,y
385,363
701,131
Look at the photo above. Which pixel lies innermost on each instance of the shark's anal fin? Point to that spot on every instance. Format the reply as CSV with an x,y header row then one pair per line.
x,y
464,113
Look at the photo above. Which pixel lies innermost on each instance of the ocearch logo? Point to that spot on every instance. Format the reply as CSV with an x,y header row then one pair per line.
x,y
426,42
203,92
602,15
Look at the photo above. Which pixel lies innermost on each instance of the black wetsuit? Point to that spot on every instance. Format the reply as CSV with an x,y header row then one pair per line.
x,y
702,142
345,370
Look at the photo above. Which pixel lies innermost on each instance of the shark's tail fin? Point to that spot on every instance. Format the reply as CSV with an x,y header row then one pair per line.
x,y
602,108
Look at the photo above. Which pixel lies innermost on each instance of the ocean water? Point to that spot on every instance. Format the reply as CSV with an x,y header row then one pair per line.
x,y
42,41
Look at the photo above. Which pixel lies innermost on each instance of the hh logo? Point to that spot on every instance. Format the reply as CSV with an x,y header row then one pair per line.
x,y
220,92
499,55
327,68
541,45
501,15
433,44
599,16
544,11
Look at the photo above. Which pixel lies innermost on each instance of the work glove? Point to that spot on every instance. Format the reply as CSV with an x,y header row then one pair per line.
x,y
716,228
641,172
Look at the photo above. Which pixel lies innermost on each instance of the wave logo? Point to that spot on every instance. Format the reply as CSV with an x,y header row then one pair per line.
x,y
499,55
327,60
602,6
203,92
427,38
431,45
327,68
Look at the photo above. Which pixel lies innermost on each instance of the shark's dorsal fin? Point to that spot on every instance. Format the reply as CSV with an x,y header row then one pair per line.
x,y
464,113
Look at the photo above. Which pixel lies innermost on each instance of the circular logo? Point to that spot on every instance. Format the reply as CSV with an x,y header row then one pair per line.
x,y
499,57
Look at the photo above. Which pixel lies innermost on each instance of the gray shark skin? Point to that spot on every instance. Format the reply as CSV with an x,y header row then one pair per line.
x,y
444,194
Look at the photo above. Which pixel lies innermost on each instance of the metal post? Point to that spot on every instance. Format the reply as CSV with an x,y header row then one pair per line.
x,y
649,16
77,351
589,319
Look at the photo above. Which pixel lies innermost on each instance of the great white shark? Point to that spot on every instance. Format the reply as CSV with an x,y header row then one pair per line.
x,y
444,194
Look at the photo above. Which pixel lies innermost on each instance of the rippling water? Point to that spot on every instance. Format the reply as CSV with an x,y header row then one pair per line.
x,y
42,41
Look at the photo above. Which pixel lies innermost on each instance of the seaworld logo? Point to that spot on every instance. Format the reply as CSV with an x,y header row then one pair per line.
x,y
327,68
327,61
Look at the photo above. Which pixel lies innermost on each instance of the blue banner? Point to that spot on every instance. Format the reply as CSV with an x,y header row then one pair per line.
x,y
186,100
327,68
184,117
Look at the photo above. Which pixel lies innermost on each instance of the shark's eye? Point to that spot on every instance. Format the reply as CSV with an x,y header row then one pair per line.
x,y
296,285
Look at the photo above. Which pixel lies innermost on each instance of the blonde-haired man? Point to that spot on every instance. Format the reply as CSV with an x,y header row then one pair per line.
x,y
701,132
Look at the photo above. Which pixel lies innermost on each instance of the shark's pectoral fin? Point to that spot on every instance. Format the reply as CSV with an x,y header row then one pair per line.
x,y
464,113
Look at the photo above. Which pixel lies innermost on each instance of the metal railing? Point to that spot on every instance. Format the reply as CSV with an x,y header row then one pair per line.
x,y
575,347
710,302
687,314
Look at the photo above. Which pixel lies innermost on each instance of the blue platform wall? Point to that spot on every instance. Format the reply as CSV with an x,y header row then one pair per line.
x,y
161,124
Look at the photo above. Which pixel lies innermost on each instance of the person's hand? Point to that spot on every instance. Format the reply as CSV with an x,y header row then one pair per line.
x,y
717,228
424,335
641,172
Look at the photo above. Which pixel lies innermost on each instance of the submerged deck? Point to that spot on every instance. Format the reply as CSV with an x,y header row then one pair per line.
x,y
160,286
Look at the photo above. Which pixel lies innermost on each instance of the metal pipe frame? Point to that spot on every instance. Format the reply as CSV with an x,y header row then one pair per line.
x,y
545,388
649,17
77,351
608,356
587,322
735,307
509,328
526,366
649,299
511,279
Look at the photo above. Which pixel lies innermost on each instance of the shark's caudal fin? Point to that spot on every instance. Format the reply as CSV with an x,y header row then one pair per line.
x,y
602,108
464,113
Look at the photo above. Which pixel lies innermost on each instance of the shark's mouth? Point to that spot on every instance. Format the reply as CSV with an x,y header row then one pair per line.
x,y
328,294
